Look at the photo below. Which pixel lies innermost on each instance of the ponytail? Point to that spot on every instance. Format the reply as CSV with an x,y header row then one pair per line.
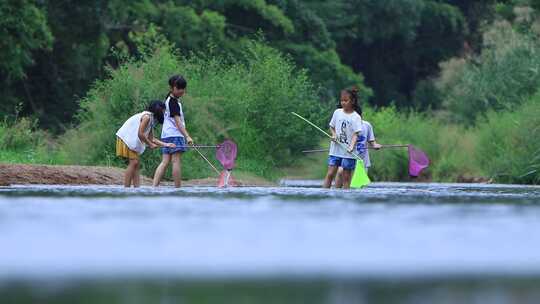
x,y
353,93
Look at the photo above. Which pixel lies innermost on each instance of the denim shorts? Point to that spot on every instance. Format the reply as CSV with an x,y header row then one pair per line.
x,y
180,143
345,163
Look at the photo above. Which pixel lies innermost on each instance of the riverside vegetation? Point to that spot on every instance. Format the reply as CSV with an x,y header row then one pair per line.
x,y
477,116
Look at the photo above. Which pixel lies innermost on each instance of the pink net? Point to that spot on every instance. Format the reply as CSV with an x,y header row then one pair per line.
x,y
226,154
418,161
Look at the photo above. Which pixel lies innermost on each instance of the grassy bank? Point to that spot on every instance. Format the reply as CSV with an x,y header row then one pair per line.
x,y
500,147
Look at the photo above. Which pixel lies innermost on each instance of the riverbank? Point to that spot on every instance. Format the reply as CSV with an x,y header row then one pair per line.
x,y
23,174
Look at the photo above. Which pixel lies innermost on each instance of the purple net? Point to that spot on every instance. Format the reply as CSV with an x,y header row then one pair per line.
x,y
226,154
418,161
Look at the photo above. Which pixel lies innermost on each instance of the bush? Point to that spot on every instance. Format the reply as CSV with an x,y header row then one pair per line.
x,y
248,99
21,135
448,146
22,142
501,77
509,144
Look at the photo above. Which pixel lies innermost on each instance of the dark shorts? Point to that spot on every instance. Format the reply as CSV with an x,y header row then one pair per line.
x,y
345,163
180,143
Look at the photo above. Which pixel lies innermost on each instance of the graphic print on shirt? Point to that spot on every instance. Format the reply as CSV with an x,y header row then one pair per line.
x,y
361,145
343,133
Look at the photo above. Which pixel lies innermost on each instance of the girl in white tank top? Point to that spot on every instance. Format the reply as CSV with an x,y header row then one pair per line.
x,y
133,137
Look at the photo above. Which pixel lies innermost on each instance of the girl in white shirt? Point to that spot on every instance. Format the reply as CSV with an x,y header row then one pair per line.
x,y
346,125
173,131
133,137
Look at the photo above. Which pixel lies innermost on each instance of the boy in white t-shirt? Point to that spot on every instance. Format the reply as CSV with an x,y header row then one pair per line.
x,y
366,138
345,125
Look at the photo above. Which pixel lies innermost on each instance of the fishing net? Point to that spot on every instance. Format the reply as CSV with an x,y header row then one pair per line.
x,y
226,154
418,161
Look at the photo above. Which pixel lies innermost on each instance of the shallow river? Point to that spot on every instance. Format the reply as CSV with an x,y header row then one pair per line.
x,y
388,243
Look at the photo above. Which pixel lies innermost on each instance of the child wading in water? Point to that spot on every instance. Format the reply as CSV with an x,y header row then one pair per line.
x,y
133,137
366,137
174,131
345,125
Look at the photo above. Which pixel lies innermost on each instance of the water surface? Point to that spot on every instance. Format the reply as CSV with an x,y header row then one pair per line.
x,y
388,243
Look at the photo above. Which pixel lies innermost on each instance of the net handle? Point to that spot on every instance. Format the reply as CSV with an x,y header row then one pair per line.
x,y
371,148
206,159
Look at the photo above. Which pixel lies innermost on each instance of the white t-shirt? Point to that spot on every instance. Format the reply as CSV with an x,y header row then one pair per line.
x,y
129,132
169,128
363,139
345,124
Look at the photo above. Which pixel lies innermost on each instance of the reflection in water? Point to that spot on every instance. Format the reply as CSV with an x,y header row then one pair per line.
x,y
389,243
479,291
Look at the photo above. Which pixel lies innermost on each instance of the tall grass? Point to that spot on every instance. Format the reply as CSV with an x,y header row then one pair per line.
x,y
509,144
22,142
448,146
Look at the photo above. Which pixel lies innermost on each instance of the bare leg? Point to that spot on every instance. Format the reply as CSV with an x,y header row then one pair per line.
x,y
136,176
177,169
330,176
347,176
160,170
130,171
339,178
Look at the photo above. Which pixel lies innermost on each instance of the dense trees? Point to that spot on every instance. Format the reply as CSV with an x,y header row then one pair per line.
x,y
23,29
52,51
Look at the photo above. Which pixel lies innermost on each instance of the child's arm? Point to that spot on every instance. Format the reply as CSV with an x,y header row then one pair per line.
x,y
150,140
145,120
162,144
333,132
182,129
354,139
375,144
371,139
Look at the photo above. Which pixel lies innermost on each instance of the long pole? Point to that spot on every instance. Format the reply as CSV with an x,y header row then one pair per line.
x,y
206,159
383,147
329,136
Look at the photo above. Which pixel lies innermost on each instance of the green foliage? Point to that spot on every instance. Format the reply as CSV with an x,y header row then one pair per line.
x,y
426,96
501,77
508,145
23,28
84,32
328,70
269,13
395,44
448,147
190,30
22,142
248,99
19,136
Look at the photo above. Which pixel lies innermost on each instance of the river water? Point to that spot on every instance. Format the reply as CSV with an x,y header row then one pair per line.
x,y
297,243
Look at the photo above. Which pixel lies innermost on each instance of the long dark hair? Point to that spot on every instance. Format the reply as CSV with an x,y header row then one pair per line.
x,y
157,107
353,93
